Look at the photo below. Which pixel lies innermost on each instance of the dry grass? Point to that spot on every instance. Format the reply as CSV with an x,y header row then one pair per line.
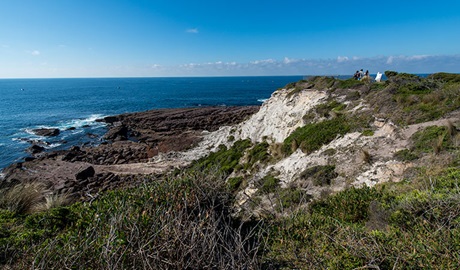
x,y
56,200
276,150
27,198
22,198
365,156
438,144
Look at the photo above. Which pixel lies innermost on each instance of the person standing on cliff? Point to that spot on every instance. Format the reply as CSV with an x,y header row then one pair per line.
x,y
361,74
356,75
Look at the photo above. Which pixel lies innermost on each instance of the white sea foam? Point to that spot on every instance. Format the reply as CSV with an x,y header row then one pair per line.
x,y
262,100
53,145
65,125
78,123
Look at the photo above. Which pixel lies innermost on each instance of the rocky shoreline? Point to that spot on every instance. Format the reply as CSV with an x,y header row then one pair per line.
x,y
131,141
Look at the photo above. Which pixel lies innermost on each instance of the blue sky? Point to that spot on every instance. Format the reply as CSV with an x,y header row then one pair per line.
x,y
126,38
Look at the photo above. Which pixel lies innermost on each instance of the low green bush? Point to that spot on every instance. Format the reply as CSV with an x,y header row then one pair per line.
x,y
324,109
258,153
382,228
225,159
368,132
445,77
234,183
290,197
349,83
312,136
350,205
268,184
405,155
431,139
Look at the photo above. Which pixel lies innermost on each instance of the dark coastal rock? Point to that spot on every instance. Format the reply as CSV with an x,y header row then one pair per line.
x,y
46,132
29,158
85,173
119,133
35,149
109,119
133,138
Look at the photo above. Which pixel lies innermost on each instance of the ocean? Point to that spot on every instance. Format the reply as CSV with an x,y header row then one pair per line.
x,y
74,105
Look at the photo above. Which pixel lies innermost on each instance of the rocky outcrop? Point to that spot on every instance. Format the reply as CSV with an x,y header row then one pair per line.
x,y
85,173
46,132
117,133
131,141
35,149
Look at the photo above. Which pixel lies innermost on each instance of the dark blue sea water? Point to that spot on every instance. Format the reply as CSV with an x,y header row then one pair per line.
x,y
26,104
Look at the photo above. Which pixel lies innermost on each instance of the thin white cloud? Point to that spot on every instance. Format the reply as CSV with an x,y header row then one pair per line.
x,y
340,66
418,57
287,60
341,59
265,61
34,52
192,31
266,67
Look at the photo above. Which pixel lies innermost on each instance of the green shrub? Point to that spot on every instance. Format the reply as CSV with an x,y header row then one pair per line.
x,y
312,136
258,153
290,197
390,74
368,132
324,109
445,77
350,205
405,155
54,219
234,183
226,160
349,83
268,184
430,138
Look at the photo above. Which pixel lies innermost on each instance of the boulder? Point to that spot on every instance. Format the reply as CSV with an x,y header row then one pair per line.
x,y
119,133
109,119
46,132
85,173
35,149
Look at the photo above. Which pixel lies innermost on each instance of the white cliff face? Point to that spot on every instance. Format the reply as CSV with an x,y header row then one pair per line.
x,y
277,118
280,115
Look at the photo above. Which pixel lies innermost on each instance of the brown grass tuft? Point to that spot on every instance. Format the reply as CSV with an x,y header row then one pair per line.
x,y
366,156
22,198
